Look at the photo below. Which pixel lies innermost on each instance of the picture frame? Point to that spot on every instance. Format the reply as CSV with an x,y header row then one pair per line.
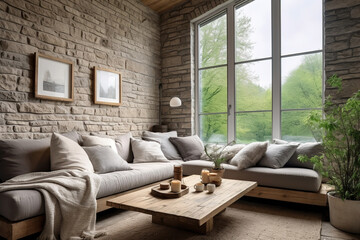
x,y
107,87
54,78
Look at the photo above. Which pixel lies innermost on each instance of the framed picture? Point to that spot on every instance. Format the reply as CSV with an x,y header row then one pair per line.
x,y
107,88
54,78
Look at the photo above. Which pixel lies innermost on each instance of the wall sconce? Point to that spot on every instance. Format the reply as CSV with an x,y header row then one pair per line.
x,y
175,102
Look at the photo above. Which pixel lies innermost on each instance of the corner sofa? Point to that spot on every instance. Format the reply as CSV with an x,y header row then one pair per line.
x,y
22,211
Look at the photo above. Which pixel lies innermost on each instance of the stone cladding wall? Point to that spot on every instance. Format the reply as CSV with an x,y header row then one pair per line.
x,y
117,35
342,46
342,55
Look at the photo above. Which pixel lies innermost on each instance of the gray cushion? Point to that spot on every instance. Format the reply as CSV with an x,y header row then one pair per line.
x,y
250,155
276,156
22,156
105,160
123,146
65,154
309,149
190,148
147,151
167,147
21,204
302,179
74,136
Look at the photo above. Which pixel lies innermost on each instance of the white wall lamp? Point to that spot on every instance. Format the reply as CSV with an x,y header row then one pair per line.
x,y
175,102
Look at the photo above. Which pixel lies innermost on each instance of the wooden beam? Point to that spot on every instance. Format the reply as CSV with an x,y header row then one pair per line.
x,y
311,198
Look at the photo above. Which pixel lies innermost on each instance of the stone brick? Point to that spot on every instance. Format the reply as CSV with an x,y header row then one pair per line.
x,y
68,126
6,107
62,109
22,129
8,82
35,108
48,129
13,96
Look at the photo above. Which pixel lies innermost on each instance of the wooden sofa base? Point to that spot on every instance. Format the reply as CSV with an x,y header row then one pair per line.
x,y
16,230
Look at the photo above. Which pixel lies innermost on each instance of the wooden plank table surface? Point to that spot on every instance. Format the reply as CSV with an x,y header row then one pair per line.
x,y
193,211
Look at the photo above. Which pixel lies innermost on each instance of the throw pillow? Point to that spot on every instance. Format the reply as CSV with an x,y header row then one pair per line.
x,y
249,155
167,147
145,151
104,159
123,146
74,136
102,141
22,156
276,156
65,154
309,149
228,153
190,148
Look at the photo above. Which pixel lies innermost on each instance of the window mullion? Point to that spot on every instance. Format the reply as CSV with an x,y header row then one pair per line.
x,y
276,69
231,73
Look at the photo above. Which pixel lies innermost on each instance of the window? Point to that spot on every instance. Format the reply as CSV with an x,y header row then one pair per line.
x,y
259,70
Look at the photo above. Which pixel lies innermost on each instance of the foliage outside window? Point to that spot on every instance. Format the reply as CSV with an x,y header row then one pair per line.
x,y
250,61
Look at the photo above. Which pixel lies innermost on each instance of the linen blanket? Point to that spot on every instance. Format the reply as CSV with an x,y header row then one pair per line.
x,y
70,201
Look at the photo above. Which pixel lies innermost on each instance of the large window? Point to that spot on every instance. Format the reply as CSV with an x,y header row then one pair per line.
x,y
259,70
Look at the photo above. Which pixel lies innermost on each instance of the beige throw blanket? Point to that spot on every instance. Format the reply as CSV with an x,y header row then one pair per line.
x,y
70,201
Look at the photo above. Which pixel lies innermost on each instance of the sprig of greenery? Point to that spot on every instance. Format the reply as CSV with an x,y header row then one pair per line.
x,y
215,156
340,135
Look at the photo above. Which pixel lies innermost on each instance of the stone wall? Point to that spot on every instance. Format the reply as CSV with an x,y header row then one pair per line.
x,y
176,63
342,45
117,35
342,54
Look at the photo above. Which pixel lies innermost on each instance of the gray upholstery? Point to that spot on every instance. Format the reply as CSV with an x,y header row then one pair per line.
x,y
291,178
21,204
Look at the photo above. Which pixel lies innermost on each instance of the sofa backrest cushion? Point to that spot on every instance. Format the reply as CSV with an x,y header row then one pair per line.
x,y
102,141
147,151
277,155
74,136
105,160
123,146
167,147
309,149
22,156
190,148
250,155
65,154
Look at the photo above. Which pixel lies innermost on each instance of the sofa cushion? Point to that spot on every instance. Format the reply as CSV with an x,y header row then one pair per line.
x,y
17,205
190,148
102,141
145,151
276,156
140,175
302,179
250,155
65,154
22,156
21,204
105,160
167,147
123,146
74,136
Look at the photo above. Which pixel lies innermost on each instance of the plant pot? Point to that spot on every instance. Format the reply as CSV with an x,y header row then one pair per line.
x,y
344,214
220,172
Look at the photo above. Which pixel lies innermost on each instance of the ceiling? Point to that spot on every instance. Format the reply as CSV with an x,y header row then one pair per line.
x,y
161,6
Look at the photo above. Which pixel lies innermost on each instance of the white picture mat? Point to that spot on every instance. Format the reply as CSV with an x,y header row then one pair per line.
x,y
60,73
107,79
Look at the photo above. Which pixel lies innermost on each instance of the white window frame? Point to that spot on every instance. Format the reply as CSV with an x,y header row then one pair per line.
x,y
229,9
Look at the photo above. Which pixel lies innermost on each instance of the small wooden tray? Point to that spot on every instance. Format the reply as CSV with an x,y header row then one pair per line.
x,y
157,192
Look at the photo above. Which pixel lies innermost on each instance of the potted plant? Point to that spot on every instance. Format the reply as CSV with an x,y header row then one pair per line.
x,y
340,161
215,154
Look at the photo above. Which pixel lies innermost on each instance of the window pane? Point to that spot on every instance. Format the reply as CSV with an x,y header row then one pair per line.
x,y
253,30
213,90
251,127
213,128
301,26
301,81
253,86
213,42
293,127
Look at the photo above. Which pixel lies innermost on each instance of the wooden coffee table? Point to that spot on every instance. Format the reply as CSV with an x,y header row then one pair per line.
x,y
194,211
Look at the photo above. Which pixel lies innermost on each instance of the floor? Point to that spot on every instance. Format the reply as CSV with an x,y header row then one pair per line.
x,y
328,232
